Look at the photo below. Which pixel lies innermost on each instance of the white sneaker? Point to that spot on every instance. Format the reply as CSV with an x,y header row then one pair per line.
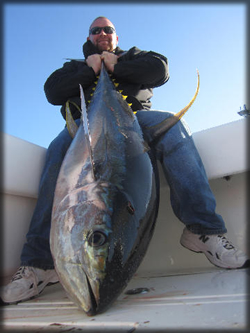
x,y
27,283
217,248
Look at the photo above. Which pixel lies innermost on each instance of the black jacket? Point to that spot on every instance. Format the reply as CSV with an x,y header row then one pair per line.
x,y
137,72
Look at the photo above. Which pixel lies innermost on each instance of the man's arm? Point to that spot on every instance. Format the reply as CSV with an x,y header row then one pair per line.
x,y
149,69
64,82
137,72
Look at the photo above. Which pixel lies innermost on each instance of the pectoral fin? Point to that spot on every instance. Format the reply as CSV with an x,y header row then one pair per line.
x,y
70,122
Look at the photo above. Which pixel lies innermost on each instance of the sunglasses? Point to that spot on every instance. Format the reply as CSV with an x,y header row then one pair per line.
x,y
97,30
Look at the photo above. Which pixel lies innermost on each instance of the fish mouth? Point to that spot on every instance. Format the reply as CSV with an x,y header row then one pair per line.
x,y
93,303
81,289
99,298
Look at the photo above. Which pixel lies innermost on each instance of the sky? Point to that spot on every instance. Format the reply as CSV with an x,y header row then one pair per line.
x,y
209,37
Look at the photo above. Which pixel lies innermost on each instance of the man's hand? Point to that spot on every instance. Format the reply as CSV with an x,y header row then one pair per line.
x,y
110,59
95,61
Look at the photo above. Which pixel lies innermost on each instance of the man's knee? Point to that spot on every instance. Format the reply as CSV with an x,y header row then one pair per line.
x,y
61,142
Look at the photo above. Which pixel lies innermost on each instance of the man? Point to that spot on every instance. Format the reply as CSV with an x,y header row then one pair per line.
x,y
136,73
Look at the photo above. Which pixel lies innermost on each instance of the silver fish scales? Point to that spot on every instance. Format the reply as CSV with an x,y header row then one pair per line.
x,y
106,201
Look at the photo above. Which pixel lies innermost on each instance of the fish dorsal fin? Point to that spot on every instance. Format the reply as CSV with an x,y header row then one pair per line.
x,y
85,124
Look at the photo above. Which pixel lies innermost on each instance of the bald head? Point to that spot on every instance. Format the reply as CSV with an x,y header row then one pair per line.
x,y
99,18
103,39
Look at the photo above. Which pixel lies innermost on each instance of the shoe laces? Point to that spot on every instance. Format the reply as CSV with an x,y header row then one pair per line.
x,y
226,243
20,273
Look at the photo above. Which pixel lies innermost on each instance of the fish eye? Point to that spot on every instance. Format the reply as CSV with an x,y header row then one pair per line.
x,y
130,208
97,238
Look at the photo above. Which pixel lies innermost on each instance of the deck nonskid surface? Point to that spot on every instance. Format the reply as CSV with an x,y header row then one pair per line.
x,y
205,300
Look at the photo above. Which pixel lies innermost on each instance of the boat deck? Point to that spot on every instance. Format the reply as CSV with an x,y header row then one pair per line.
x,y
185,291
215,299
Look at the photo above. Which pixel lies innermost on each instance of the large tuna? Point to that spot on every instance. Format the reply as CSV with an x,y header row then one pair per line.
x,y
106,201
